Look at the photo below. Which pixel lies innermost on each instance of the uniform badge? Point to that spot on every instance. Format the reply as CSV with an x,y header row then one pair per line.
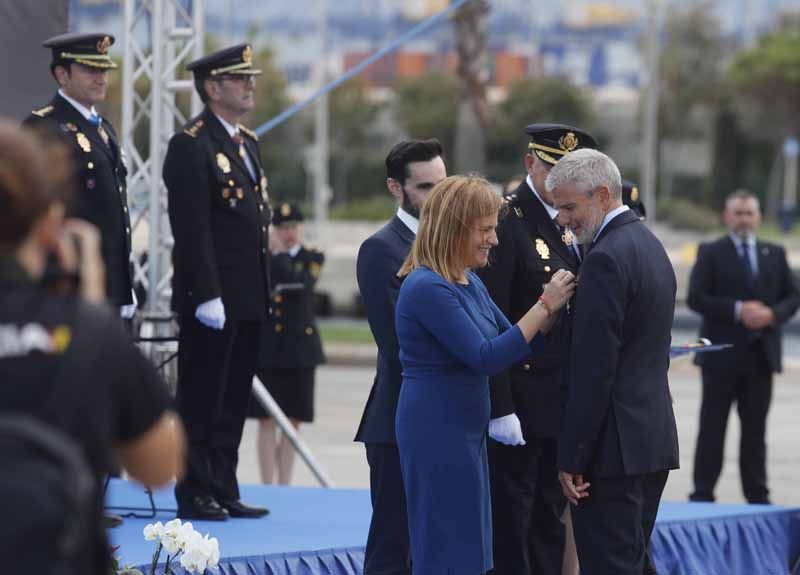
x,y
542,249
286,210
568,237
72,127
224,163
240,193
314,269
83,142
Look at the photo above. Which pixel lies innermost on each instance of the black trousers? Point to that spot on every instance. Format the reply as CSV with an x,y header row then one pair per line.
x,y
527,505
215,374
388,550
613,525
749,385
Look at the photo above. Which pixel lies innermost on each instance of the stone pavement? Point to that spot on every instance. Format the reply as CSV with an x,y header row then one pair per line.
x,y
342,391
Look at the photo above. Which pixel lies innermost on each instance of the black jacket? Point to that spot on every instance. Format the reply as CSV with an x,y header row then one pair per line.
x,y
379,259
101,192
619,419
292,339
530,250
219,216
718,281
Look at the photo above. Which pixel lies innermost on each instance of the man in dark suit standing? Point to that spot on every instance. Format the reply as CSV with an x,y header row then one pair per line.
x,y
618,440
219,211
413,168
527,503
745,292
80,66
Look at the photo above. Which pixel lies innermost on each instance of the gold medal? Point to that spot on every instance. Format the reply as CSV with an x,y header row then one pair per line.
x,y
568,237
224,163
542,249
83,142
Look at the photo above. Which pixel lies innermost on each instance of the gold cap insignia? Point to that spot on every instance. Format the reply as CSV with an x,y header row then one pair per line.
x,y
103,45
247,55
83,142
542,249
286,210
224,163
568,142
634,194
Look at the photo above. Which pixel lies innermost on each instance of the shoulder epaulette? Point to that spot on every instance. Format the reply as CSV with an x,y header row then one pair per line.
x,y
43,112
193,130
249,132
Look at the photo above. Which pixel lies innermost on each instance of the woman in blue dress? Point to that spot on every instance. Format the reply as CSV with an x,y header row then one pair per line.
x,y
452,338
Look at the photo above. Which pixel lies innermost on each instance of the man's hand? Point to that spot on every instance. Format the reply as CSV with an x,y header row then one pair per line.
x,y
506,430
211,313
573,487
755,316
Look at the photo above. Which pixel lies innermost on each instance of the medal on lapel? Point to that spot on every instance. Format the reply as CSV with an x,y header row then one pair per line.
x,y
83,142
542,249
567,237
224,163
103,134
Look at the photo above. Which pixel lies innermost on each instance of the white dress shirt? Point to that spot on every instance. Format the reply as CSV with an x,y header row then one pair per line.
x,y
410,221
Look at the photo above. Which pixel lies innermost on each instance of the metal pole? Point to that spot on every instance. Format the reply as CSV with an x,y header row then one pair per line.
x,y
274,410
650,132
321,176
154,256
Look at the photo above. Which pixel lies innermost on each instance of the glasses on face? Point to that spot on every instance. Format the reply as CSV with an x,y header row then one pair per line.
x,y
239,79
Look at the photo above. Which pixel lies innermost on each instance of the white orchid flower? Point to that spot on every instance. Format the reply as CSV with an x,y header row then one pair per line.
x,y
173,536
153,531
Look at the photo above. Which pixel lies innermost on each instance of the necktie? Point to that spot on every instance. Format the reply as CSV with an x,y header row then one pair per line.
x,y
744,252
239,141
94,119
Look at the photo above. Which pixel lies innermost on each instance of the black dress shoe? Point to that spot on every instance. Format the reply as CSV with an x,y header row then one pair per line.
x,y
239,509
202,507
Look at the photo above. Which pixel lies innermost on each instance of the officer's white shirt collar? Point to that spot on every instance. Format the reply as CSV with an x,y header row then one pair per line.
x,y
84,111
230,128
294,250
610,216
410,221
551,211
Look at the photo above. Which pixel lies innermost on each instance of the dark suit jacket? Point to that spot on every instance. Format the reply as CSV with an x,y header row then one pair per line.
x,y
718,281
219,216
619,419
101,192
379,259
291,340
529,252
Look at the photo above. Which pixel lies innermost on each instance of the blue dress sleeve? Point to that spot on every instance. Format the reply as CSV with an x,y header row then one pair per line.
x,y
536,345
434,304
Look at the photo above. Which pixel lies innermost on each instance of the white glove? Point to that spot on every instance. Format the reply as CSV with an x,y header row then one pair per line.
x,y
129,310
211,313
507,430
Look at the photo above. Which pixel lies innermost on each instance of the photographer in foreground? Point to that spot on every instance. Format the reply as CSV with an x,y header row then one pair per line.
x,y
65,359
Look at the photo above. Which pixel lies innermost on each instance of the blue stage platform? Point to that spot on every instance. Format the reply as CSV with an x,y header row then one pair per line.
x,y
314,531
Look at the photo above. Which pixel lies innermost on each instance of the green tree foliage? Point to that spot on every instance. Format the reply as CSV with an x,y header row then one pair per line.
x,y
356,158
692,73
767,77
426,107
531,100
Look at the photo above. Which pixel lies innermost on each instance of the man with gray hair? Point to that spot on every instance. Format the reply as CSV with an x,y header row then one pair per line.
x,y
618,439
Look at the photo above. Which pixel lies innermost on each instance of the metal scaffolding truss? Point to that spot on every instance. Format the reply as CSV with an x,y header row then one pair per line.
x,y
159,37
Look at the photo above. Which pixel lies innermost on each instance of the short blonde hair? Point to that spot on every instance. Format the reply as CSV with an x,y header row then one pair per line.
x,y
446,217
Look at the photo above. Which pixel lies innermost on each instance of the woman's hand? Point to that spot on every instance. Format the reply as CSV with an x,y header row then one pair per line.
x,y
558,291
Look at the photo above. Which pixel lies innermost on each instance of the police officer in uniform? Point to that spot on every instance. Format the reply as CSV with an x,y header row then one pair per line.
x,y
220,213
80,66
632,198
526,400
291,348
